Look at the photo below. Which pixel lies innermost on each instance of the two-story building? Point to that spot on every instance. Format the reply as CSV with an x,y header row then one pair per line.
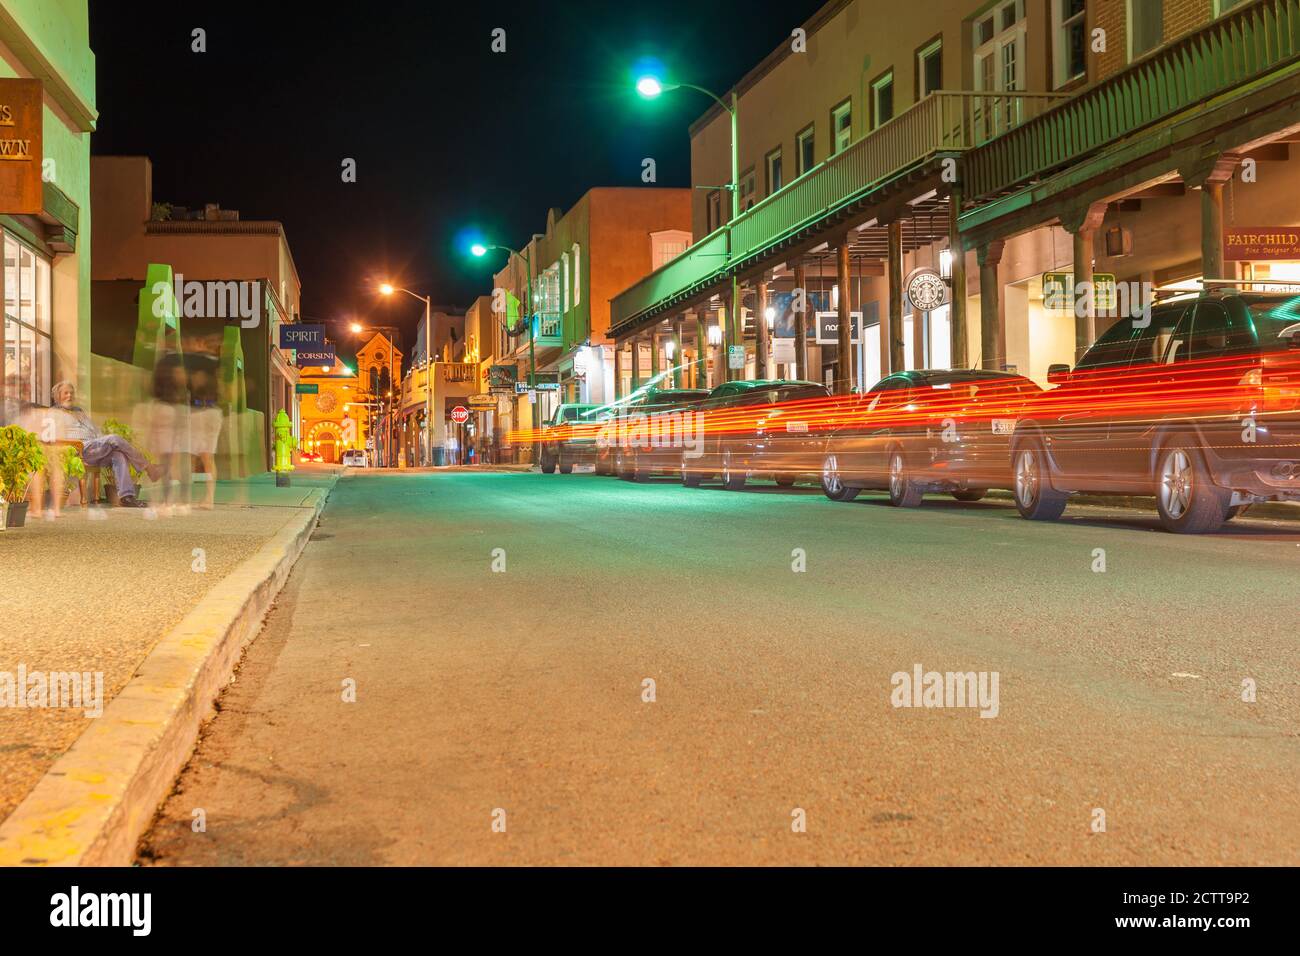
x,y
919,174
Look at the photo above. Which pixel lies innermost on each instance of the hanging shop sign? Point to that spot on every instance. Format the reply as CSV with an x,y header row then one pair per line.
x,y
1266,243
481,401
21,116
828,328
926,290
317,355
1058,291
302,336
503,377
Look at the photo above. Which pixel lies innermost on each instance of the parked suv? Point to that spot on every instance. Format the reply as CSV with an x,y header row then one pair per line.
x,y
569,438
925,431
759,428
1200,406
354,457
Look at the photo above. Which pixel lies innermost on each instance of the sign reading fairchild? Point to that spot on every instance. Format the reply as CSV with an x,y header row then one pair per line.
x,y
21,110
1242,243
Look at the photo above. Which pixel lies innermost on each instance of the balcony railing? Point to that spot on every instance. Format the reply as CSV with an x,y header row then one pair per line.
x,y
943,122
1235,49
458,371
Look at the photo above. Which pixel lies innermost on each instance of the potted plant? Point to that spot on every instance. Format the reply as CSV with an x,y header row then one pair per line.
x,y
21,456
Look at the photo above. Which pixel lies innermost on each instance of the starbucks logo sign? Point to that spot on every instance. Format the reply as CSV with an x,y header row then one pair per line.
x,y
926,290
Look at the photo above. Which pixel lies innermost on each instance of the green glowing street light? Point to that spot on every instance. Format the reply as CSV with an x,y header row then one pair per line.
x,y
650,86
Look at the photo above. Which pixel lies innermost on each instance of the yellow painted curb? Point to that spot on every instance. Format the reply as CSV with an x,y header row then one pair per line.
x,y
92,806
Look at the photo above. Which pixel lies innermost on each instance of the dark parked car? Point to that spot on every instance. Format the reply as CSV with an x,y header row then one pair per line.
x,y
926,431
1200,407
654,430
569,438
759,428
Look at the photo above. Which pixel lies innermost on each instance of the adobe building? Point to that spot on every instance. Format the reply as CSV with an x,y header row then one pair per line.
x,y
47,102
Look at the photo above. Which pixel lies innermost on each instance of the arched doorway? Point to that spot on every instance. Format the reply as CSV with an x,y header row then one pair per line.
x,y
325,439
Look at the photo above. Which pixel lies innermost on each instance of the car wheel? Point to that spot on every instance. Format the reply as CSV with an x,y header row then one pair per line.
x,y
547,464
639,472
1188,499
731,479
565,466
903,491
1036,499
833,482
690,477
970,494
621,469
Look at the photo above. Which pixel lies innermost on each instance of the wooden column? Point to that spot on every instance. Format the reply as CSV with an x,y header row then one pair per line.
x,y
957,308
1083,228
618,372
762,337
636,362
678,358
701,378
654,355
844,347
989,256
801,323
1209,173
895,270
727,321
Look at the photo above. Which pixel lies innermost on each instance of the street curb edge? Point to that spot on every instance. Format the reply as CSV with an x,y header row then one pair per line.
x,y
93,805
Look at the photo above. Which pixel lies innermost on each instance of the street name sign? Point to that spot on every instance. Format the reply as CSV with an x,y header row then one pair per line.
x,y
307,388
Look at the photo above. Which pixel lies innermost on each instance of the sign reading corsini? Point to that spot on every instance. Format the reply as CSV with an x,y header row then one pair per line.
x,y
20,147
1261,242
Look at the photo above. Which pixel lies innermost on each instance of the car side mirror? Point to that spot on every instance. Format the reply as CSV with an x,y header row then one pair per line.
x,y
1056,374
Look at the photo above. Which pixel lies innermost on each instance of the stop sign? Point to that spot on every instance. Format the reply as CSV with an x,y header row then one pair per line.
x,y
460,414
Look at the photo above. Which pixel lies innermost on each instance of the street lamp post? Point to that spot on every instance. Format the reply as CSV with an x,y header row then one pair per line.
x,y
388,289
650,87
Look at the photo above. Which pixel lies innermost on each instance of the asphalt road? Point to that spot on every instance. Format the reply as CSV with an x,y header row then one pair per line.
x,y
477,691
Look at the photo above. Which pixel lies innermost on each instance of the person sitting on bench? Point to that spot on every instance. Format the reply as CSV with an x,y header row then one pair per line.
x,y
99,450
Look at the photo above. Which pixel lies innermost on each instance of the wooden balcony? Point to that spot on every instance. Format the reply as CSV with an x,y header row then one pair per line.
x,y
942,123
1236,51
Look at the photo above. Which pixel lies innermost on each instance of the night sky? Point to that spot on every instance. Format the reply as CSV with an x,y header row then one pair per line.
x,y
449,137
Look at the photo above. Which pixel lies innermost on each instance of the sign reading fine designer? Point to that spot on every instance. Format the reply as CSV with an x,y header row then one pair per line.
x,y
1261,242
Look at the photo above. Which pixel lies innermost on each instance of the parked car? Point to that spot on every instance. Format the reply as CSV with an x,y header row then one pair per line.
x,y
927,431
354,457
568,438
309,456
759,428
653,431
1199,407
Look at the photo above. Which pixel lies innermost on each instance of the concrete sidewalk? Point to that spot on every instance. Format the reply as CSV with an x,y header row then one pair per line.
x,y
94,595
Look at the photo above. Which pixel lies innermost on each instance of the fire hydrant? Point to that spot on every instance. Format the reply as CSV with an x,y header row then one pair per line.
x,y
285,443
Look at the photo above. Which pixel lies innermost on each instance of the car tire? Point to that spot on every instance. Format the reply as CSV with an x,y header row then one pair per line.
x,y
904,492
1187,498
833,486
547,463
566,467
970,494
690,478
731,480
640,473
1036,499
784,481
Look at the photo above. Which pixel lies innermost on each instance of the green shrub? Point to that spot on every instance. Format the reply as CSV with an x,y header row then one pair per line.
x,y
21,456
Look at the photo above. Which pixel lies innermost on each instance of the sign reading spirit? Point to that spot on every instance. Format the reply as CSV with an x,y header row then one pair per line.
x,y
21,192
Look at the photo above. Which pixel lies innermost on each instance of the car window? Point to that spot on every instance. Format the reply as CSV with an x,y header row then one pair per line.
x,y
1112,349
1153,342
1217,331
1275,319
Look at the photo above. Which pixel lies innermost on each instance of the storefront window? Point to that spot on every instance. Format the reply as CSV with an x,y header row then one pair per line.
x,y
26,356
